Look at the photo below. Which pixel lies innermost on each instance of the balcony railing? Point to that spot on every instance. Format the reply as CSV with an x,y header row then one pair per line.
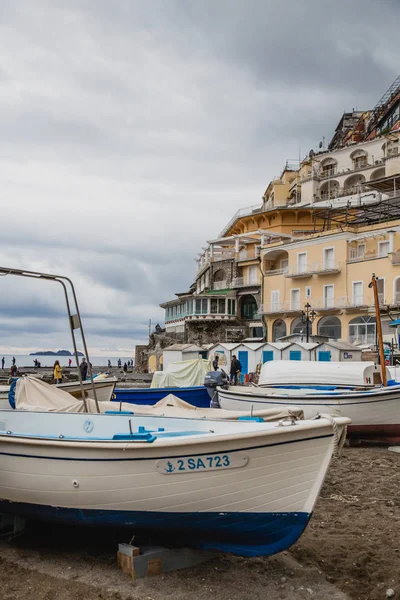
x,y
299,271
242,212
238,282
249,254
276,272
278,307
369,256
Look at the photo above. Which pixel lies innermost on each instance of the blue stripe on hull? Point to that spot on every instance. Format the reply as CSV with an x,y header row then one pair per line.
x,y
197,396
241,533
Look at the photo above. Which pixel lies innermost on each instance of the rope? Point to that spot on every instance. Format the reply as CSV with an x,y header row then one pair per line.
x,y
338,443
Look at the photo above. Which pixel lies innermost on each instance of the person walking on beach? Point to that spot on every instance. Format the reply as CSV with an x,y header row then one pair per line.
x,y
13,371
125,368
84,368
13,361
69,362
119,363
236,367
3,360
57,372
215,363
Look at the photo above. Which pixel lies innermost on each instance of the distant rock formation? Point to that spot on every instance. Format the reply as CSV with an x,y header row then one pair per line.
x,y
51,353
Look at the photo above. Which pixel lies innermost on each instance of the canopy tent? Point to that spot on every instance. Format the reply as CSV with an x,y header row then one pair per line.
x,y
187,373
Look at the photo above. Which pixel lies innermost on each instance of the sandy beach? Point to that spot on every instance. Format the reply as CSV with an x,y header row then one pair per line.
x,y
350,550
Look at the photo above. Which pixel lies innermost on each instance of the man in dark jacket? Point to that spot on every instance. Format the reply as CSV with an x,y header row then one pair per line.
x,y
215,363
236,367
84,368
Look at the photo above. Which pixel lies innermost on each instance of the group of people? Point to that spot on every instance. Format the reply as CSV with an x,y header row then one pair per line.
x,y
57,370
3,362
127,365
236,369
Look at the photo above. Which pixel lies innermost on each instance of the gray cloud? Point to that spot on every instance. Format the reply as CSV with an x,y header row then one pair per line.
x,y
132,132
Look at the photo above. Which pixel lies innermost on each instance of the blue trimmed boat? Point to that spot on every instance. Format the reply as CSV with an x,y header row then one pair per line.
x,y
196,395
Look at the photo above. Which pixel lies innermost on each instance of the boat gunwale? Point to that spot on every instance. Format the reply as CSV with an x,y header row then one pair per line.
x,y
178,443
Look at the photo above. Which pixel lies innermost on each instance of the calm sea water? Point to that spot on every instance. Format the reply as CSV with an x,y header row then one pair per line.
x,y
24,360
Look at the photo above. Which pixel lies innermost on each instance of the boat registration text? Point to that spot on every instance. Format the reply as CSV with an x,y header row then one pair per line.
x,y
212,462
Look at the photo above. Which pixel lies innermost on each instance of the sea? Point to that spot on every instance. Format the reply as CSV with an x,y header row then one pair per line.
x,y
25,360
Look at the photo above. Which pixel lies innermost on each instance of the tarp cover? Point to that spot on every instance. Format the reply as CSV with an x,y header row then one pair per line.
x,y
291,372
35,395
187,373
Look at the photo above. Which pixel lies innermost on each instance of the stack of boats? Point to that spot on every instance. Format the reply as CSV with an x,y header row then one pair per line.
x,y
243,478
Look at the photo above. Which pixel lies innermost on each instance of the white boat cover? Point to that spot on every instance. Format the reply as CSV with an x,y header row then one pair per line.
x,y
187,373
290,372
34,395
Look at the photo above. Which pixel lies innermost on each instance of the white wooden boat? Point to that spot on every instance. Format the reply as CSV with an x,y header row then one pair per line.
x,y
375,413
105,387
245,487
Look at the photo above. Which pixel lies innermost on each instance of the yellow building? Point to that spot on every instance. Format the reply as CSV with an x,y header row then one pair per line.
x,y
331,271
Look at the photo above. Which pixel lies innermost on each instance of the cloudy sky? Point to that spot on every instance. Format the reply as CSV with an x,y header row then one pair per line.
x,y
132,131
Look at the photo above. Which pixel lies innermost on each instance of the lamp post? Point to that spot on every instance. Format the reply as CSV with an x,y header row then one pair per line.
x,y
308,317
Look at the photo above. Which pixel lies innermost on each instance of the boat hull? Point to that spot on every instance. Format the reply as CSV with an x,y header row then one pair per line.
x,y
258,506
197,396
374,414
224,532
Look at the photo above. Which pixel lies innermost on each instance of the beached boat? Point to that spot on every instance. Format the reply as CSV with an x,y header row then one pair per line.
x,y
374,410
246,487
195,395
105,387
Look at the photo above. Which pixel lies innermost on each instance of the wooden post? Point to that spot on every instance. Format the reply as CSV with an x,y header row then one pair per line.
x,y
374,286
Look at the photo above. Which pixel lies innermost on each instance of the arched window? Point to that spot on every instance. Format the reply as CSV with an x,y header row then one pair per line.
x,y
298,327
328,167
359,158
278,329
248,307
362,330
219,280
331,327
378,173
329,189
354,184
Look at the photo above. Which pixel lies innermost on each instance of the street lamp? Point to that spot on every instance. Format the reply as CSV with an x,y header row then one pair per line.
x,y
308,317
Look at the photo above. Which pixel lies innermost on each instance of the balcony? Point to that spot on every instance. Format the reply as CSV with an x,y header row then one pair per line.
x,y
249,254
299,271
272,272
279,307
368,256
326,268
239,282
242,212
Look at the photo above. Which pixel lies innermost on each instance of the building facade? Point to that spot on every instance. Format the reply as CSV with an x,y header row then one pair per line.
x,y
324,226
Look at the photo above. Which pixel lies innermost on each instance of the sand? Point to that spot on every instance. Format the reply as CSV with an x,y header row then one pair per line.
x,y
351,549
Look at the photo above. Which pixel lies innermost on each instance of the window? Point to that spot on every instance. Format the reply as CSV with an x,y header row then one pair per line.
x,y
198,306
302,262
204,306
381,290
362,330
252,274
214,306
284,264
329,258
231,306
298,326
328,296
328,170
383,248
275,300
278,329
308,291
361,250
330,327
249,307
360,162
221,306
295,299
357,299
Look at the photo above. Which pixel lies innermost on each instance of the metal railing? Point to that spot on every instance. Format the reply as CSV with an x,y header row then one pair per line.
x,y
238,282
242,212
276,272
